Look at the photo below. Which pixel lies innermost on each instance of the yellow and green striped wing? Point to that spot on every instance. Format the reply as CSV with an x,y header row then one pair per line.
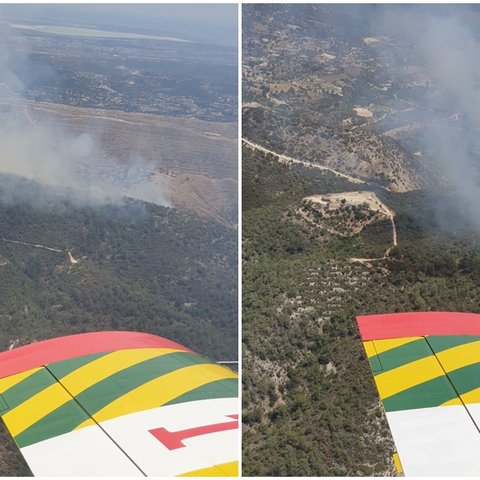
x,y
117,407
426,367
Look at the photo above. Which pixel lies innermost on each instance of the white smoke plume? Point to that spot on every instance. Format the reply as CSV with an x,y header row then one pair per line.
x,y
447,47
53,156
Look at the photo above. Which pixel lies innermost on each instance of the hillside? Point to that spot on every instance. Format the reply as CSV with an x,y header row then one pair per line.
x,y
361,153
357,88
184,155
134,266
310,404
125,278
360,196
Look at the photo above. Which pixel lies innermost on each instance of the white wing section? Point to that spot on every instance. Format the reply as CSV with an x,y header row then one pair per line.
x,y
84,452
439,441
204,434
474,411
132,433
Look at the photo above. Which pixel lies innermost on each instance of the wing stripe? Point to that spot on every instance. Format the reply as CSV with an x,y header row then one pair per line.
x,y
449,403
224,470
466,379
472,396
83,378
445,342
20,418
45,428
98,396
49,396
407,376
103,393
407,353
10,382
65,367
458,357
382,346
162,390
407,381
38,379
429,394
227,388
370,349
392,353
27,388
438,391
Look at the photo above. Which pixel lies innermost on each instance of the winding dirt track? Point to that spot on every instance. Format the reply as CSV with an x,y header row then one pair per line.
x,y
391,216
71,259
287,159
389,213
33,245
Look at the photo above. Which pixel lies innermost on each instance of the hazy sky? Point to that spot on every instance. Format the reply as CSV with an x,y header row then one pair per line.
x,y
215,23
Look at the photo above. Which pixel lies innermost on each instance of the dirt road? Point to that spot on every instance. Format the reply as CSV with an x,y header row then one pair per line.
x,y
389,213
51,249
287,159
33,245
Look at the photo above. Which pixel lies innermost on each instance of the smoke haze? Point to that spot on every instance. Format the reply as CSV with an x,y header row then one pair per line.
x,y
444,44
53,156
429,53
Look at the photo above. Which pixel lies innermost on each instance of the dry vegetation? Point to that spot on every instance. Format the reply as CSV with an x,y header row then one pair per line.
x,y
345,213
177,148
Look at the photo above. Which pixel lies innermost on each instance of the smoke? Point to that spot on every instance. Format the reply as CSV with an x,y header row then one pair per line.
x,y
418,66
49,153
7,77
442,42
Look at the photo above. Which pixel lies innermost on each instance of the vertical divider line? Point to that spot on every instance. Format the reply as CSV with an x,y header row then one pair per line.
x,y
96,423
240,229
452,384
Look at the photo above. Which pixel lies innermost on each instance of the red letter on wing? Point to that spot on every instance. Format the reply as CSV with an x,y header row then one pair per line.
x,y
174,440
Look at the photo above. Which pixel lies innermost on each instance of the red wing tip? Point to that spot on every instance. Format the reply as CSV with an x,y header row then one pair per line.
x,y
417,324
64,348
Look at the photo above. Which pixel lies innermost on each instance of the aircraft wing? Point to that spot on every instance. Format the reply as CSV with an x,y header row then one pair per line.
x,y
426,368
119,404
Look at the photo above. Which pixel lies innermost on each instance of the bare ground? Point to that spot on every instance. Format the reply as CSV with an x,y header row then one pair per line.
x,y
205,151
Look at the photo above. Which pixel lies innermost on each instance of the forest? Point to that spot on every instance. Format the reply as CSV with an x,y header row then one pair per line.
x,y
133,266
310,404
139,267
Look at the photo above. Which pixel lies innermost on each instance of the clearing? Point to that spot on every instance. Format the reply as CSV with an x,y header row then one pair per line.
x,y
347,214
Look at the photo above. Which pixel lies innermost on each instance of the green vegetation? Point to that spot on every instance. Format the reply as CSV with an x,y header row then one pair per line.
x,y
316,89
310,404
164,272
140,267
